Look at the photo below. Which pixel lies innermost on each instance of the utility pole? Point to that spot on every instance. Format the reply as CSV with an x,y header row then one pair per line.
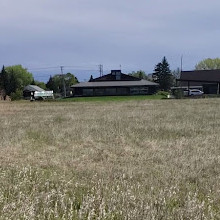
x,y
101,70
64,86
181,65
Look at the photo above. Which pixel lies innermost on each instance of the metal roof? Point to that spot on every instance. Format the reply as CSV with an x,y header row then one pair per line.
x,y
115,83
33,88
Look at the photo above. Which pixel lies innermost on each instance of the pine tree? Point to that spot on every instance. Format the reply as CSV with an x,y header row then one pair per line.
x,y
53,84
12,85
33,82
163,75
49,84
4,80
91,78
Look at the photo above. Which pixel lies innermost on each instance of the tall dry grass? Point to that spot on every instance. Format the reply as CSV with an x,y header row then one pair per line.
x,y
117,160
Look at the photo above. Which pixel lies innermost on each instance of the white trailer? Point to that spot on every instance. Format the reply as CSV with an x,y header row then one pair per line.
x,y
41,95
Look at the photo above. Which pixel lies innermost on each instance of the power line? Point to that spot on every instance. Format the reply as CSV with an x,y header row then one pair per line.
x,y
41,68
87,66
56,67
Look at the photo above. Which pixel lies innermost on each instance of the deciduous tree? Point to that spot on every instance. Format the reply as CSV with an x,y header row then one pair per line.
x,y
55,83
39,83
139,74
208,64
15,78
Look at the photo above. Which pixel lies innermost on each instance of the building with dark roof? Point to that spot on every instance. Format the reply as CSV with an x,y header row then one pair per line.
x,y
115,83
35,92
208,80
32,88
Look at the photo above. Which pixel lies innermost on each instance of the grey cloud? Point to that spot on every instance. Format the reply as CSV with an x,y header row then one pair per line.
x,y
135,34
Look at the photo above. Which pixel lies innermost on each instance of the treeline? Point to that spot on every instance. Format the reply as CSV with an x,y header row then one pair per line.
x,y
59,83
13,79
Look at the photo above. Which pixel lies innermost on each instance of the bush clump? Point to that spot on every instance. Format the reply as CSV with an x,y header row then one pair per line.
x,y
163,93
178,94
17,95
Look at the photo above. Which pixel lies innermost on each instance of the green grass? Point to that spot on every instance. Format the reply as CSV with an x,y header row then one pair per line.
x,y
112,98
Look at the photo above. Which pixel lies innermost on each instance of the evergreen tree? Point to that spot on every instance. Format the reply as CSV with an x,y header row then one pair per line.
x,y
33,82
3,78
51,85
91,78
163,75
12,85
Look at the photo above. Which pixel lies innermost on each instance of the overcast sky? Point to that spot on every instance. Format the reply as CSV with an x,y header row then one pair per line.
x,y
81,34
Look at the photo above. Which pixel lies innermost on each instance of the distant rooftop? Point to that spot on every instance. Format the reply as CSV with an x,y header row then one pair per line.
x,y
33,88
115,83
201,75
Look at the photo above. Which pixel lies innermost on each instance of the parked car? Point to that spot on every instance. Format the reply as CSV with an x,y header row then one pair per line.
x,y
195,92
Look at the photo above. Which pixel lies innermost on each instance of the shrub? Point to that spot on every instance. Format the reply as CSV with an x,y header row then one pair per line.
x,y
163,93
178,94
17,95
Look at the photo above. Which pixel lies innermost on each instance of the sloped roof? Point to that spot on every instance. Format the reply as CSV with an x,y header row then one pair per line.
x,y
201,75
33,88
112,77
115,83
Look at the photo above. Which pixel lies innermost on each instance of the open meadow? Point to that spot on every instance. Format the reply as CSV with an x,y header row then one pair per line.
x,y
138,159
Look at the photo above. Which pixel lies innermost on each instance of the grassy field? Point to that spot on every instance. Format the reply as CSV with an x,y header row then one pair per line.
x,y
137,159
113,98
